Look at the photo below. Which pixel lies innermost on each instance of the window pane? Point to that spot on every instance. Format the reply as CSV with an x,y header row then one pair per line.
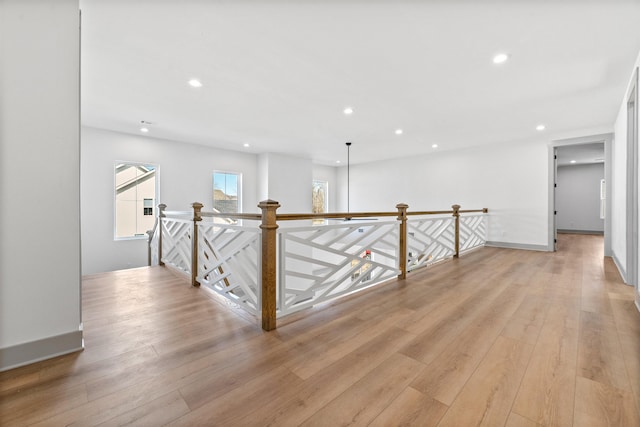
x,y
319,197
136,186
226,192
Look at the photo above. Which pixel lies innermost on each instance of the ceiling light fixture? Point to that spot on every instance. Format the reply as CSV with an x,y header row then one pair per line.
x,y
541,127
348,111
434,146
144,130
337,161
500,58
572,161
398,131
195,83
246,145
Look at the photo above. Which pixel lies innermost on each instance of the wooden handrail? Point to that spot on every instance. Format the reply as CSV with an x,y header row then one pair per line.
x,y
256,217
336,215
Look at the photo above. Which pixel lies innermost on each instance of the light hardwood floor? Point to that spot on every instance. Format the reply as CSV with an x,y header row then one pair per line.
x,y
497,338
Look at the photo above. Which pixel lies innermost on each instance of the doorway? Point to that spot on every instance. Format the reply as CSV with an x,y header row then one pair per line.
x,y
580,180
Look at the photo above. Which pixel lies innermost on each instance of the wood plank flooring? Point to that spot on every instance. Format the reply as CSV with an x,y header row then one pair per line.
x,y
496,338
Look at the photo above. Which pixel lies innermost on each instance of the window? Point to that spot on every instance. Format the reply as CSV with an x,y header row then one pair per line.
x,y
136,189
148,207
226,191
319,197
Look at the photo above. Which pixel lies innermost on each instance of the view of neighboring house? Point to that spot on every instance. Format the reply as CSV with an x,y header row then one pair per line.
x,y
135,199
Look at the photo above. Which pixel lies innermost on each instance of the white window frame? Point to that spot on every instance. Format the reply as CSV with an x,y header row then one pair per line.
x,y
115,194
239,189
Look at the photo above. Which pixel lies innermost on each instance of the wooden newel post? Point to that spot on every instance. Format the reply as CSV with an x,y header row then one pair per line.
x,y
197,217
269,226
402,217
161,208
456,215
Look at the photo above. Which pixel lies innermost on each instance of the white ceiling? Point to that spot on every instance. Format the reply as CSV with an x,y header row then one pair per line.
x,y
278,74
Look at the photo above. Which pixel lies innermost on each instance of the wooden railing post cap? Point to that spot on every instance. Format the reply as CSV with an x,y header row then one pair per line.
x,y
197,208
162,206
268,203
485,210
456,209
402,206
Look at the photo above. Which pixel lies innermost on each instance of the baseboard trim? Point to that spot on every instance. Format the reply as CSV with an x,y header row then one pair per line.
x,y
36,351
593,232
525,246
621,270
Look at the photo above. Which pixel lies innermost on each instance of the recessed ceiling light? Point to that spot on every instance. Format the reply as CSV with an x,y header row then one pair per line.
x,y
500,58
398,131
541,127
434,146
144,130
246,145
338,161
572,161
195,83
348,111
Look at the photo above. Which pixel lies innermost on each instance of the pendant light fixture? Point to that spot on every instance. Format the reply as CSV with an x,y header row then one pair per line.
x,y
348,144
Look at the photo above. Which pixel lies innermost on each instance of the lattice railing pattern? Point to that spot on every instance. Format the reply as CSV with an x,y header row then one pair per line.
x,y
320,263
429,240
176,243
153,246
229,262
473,231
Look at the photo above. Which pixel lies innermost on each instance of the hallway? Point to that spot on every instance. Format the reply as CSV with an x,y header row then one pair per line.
x,y
498,338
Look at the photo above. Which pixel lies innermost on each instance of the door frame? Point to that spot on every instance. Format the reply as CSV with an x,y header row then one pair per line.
x,y
631,263
607,139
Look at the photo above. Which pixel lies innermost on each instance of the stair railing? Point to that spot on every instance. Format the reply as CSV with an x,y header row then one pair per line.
x,y
272,271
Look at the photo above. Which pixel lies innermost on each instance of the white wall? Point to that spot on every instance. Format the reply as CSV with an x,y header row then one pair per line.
x,y
578,197
286,180
619,202
39,180
509,179
185,174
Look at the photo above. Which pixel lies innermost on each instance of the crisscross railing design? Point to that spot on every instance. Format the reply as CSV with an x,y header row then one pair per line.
x,y
228,262
274,271
176,243
320,263
473,232
429,240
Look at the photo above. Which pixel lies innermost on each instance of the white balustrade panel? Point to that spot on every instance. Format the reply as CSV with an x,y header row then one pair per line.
x,y
320,263
229,260
153,246
473,231
176,243
429,240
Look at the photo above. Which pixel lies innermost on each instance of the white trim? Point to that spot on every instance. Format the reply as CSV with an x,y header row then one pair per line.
x,y
621,270
607,139
35,351
524,246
